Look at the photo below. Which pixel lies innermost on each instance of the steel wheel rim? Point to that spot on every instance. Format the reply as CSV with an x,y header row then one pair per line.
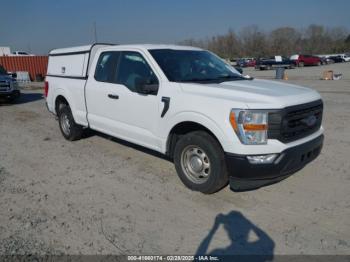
x,y
65,124
195,164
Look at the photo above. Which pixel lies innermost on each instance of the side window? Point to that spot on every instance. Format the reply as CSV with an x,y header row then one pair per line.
x,y
106,67
134,69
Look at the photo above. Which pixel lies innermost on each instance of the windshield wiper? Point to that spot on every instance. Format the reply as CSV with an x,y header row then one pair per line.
x,y
198,80
216,80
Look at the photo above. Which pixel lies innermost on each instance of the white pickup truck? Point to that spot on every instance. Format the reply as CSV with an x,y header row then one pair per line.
x,y
217,126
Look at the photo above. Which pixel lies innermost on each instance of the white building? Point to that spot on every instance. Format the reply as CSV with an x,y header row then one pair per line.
x,y
5,51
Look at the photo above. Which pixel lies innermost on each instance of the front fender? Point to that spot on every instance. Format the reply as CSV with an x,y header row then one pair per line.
x,y
198,118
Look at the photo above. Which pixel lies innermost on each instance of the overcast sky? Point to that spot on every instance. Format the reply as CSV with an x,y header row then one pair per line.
x,y
41,25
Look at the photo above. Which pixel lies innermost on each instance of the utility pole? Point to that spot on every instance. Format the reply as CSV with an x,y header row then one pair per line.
x,y
95,32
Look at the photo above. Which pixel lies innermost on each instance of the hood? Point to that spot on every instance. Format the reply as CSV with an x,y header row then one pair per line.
x,y
5,78
255,93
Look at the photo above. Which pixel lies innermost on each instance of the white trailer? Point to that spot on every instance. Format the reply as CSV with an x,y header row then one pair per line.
x,y
5,51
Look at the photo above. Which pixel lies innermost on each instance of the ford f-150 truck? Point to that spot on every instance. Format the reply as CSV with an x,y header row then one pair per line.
x,y
9,89
217,125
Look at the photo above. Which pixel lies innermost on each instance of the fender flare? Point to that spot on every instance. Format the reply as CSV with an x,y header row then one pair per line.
x,y
63,92
195,117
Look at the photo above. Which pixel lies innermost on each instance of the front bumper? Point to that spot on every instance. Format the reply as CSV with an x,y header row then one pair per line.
x,y
9,94
247,176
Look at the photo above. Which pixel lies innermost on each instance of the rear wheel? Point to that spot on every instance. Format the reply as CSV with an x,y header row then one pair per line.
x,y
200,163
70,130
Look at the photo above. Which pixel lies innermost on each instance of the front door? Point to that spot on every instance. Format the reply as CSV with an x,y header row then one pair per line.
x,y
115,105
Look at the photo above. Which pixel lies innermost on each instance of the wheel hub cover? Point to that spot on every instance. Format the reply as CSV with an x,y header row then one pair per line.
x,y
196,164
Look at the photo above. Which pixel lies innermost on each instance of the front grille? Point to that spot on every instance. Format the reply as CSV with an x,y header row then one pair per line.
x,y
4,86
295,122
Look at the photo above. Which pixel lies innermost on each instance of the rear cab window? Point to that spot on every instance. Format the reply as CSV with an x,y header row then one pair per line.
x,y
106,67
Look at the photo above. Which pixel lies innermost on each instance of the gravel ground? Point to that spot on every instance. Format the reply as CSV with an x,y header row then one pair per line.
x,y
100,195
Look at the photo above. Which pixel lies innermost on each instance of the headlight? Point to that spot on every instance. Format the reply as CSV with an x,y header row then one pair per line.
x,y
14,85
250,126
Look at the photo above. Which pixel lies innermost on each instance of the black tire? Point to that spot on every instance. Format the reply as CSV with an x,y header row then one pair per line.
x,y
13,98
75,131
217,175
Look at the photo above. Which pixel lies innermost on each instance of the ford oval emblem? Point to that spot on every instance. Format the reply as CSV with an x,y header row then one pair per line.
x,y
309,121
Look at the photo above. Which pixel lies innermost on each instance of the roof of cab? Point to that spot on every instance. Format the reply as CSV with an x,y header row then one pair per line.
x,y
87,48
160,46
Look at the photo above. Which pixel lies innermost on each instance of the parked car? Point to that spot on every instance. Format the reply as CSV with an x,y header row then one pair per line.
x,y
306,60
21,53
233,61
345,57
8,86
337,59
325,60
246,62
217,126
274,62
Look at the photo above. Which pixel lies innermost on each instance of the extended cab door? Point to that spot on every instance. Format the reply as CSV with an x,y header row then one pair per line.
x,y
115,104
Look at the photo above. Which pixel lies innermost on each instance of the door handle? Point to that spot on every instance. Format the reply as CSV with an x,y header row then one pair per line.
x,y
166,101
113,96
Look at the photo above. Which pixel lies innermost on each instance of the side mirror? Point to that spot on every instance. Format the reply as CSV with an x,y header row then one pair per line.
x,y
151,89
14,75
239,69
143,86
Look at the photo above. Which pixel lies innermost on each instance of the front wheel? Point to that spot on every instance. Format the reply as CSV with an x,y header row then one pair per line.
x,y
200,163
14,97
70,130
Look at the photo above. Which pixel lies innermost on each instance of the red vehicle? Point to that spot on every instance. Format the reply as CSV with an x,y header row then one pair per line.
x,y
251,62
246,62
306,60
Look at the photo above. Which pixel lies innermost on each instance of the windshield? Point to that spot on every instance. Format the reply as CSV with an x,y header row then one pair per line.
x,y
194,66
2,71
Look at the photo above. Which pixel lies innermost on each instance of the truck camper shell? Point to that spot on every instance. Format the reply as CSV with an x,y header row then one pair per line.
x,y
72,62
